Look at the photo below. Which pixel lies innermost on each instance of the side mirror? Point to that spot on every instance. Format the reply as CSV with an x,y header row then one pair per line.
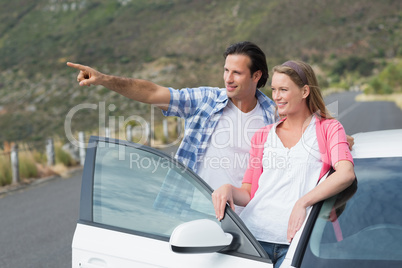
x,y
199,236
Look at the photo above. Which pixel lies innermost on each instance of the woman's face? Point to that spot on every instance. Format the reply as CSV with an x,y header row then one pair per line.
x,y
288,97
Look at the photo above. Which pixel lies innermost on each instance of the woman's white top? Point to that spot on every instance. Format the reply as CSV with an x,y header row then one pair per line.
x,y
287,175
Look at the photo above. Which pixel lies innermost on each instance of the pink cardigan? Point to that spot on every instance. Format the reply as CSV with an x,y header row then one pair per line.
x,y
331,142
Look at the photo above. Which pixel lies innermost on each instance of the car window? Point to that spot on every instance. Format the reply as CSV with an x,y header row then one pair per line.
x,y
145,191
365,231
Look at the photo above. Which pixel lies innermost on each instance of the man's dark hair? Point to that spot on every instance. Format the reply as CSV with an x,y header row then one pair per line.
x,y
257,56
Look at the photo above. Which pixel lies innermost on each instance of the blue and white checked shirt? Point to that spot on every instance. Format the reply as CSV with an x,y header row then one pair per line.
x,y
201,108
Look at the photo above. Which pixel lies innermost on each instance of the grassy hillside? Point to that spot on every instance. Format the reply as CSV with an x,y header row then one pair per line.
x,y
174,43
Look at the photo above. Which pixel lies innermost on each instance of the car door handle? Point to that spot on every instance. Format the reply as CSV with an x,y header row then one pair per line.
x,y
93,263
89,265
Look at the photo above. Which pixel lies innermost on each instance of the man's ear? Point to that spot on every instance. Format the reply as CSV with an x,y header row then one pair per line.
x,y
257,75
306,91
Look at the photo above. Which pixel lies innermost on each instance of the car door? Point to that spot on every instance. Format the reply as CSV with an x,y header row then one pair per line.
x,y
132,199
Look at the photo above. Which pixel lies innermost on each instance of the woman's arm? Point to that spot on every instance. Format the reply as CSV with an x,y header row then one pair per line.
x,y
338,181
229,194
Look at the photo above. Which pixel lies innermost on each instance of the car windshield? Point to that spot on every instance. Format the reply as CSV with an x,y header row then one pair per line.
x,y
362,229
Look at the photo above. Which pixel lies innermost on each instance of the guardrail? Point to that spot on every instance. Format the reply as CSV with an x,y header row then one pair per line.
x,y
50,149
50,154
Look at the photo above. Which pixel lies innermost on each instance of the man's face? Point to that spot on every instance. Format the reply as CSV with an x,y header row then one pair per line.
x,y
239,82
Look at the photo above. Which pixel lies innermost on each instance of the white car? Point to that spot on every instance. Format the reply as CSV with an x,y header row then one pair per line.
x,y
141,208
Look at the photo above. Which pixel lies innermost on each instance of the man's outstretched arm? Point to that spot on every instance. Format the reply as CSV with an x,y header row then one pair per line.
x,y
135,89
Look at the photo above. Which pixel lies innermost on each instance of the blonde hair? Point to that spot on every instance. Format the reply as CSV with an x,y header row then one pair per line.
x,y
315,101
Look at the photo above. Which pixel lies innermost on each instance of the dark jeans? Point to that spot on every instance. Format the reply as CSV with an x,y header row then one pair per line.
x,y
276,252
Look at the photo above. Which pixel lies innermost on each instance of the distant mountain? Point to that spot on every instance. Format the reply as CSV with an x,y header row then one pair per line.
x,y
174,43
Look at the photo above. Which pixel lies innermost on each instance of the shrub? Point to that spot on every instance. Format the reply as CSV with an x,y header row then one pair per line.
x,y
5,170
391,76
39,158
387,81
360,65
62,157
27,166
376,86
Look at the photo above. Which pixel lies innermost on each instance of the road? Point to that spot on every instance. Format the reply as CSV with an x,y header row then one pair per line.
x,y
363,116
37,223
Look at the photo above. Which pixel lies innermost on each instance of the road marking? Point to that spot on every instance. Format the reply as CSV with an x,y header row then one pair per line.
x,y
333,108
348,110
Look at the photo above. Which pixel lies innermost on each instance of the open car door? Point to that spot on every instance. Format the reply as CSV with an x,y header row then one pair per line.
x,y
141,208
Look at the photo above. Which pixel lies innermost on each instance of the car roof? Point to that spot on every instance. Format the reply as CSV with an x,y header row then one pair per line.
x,y
383,143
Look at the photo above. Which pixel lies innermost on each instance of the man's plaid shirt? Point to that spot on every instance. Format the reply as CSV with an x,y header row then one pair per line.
x,y
201,108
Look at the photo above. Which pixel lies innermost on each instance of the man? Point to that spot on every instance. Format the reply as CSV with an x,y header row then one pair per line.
x,y
219,122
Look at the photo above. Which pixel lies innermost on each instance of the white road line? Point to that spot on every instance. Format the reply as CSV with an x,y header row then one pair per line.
x,y
334,108
348,110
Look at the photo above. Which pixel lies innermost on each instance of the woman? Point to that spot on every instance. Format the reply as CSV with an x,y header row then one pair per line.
x,y
287,159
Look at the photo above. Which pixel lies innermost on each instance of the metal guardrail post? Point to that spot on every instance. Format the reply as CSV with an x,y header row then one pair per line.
x,y
165,129
51,157
129,133
15,164
178,126
148,134
81,139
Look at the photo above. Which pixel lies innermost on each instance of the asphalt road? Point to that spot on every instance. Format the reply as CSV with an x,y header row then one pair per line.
x,y
37,223
363,116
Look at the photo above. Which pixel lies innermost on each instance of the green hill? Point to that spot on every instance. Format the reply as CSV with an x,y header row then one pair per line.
x,y
174,43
